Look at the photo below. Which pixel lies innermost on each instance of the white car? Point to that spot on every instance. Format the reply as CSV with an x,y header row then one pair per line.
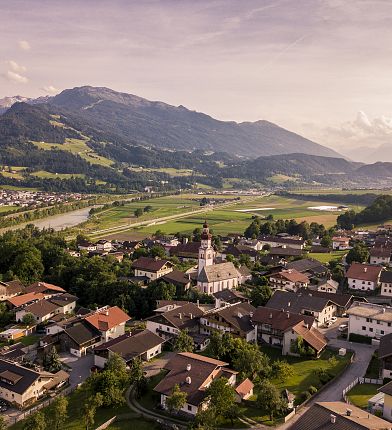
x,y
343,327
328,324
333,320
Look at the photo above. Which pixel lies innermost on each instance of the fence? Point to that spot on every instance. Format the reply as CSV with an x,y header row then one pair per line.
x,y
359,381
43,404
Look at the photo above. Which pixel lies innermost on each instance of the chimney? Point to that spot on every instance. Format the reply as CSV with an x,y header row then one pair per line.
x,y
288,304
198,303
365,269
188,380
239,314
188,367
288,314
333,418
190,316
383,310
180,316
270,316
348,412
107,313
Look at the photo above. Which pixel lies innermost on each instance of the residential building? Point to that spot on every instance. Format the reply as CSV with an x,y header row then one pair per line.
x,y
24,300
178,279
328,286
193,373
87,246
288,279
277,241
21,386
309,267
285,252
110,322
385,356
386,283
280,328
340,243
152,268
229,297
77,339
234,319
10,289
304,302
387,407
42,311
364,277
44,288
186,251
141,344
380,255
104,245
368,319
338,416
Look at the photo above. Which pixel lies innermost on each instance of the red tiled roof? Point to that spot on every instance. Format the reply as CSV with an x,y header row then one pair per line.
x,y
26,298
293,275
364,272
108,319
40,287
149,264
244,387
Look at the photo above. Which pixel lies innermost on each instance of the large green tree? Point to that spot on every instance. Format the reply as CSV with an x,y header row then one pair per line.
x,y
176,400
60,412
35,421
269,398
183,342
221,395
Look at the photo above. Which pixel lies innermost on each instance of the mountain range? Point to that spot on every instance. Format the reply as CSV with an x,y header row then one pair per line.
x,y
92,139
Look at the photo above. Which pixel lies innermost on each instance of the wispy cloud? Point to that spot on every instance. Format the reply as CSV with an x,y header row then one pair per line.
x,y
24,45
50,89
15,67
16,77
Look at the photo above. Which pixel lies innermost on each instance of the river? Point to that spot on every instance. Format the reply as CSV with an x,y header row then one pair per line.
x,y
57,222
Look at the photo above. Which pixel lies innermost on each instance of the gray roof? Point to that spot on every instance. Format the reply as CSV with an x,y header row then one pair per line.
x,y
294,302
386,276
20,377
385,348
307,265
218,272
238,316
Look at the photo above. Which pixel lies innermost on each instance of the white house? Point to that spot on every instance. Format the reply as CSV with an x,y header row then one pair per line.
x,y
386,283
363,277
289,279
368,319
380,255
152,268
340,243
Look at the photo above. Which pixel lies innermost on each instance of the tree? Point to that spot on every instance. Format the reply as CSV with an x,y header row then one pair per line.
x,y
137,377
260,294
3,423
269,398
35,422
232,413
205,419
148,208
28,265
183,342
250,361
221,395
282,370
28,319
60,407
52,361
138,212
90,408
299,347
358,253
176,400
326,241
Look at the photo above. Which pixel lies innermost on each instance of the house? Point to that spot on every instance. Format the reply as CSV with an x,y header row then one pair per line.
x,y
280,241
280,328
285,252
42,311
178,279
140,344
340,243
380,255
212,277
244,275
85,245
24,300
364,277
385,356
387,406
179,317
309,267
386,283
338,416
10,289
104,245
44,288
288,279
193,373
78,338
229,297
304,302
152,268
22,386
237,250
66,302
234,319
368,319
328,286
186,251
110,322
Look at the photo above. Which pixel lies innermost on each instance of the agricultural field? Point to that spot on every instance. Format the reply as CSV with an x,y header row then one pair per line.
x,y
233,218
76,146
327,257
49,175
8,208
169,170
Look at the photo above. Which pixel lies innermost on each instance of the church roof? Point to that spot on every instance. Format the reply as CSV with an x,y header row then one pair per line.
x,y
218,272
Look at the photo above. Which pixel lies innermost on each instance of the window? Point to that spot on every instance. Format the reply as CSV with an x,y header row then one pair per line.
x,y
371,329
189,407
363,328
382,331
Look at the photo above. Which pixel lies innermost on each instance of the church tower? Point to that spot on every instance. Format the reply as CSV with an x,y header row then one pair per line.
x,y
206,251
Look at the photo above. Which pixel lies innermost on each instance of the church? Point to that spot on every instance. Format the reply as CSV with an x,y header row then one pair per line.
x,y
212,277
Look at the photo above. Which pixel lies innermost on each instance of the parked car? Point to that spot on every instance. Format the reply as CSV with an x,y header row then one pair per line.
x,y
328,324
343,327
333,320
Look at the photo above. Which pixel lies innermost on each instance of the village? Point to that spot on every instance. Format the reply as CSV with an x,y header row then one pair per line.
x,y
241,307
34,199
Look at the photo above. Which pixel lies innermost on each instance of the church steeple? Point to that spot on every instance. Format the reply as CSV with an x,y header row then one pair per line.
x,y
206,251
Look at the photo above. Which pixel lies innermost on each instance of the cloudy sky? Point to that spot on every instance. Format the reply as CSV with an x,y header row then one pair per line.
x,y
322,68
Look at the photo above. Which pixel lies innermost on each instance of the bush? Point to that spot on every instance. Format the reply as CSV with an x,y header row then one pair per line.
x,y
312,390
360,338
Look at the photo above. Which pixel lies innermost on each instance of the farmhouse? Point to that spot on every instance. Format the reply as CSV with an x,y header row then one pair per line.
x,y
364,277
234,319
193,373
386,283
289,279
152,268
380,255
340,243
10,289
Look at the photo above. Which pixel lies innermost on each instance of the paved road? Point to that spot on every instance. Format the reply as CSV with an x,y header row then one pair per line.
x,y
153,367
80,369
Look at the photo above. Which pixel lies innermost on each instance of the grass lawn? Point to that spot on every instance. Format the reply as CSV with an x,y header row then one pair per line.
x,y
8,208
75,414
305,369
361,393
49,175
327,257
29,340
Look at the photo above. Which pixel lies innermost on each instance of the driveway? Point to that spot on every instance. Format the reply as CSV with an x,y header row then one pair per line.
x,y
80,369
